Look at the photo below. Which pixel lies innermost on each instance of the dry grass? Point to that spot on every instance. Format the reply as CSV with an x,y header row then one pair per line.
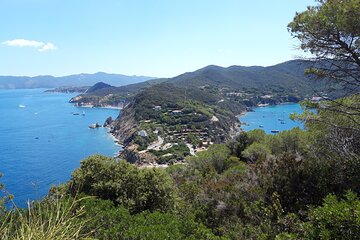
x,y
47,220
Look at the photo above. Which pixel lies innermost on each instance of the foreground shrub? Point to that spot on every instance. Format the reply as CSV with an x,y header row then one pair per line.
x,y
49,219
124,184
335,219
107,221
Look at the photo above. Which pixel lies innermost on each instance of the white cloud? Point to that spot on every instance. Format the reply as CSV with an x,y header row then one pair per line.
x,y
41,46
47,47
23,43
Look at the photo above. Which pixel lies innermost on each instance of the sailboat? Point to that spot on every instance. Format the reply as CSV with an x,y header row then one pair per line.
x,y
83,113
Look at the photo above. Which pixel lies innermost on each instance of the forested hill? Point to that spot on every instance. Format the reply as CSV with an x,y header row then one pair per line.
x,y
78,80
287,76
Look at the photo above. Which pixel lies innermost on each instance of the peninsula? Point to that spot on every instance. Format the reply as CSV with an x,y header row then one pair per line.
x,y
164,120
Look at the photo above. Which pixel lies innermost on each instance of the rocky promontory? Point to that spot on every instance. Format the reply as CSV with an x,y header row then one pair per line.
x,y
159,126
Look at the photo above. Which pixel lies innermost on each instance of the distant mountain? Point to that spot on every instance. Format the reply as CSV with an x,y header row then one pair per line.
x,y
79,80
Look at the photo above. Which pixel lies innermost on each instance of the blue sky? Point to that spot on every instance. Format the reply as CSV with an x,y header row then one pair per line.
x,y
160,38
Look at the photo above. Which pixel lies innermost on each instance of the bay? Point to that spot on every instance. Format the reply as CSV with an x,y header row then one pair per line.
x,y
42,141
270,118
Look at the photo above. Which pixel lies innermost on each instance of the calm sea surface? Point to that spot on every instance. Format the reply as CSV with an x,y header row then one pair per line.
x,y
272,118
42,142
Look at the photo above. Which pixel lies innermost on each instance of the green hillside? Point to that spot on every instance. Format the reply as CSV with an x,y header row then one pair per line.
x,y
284,82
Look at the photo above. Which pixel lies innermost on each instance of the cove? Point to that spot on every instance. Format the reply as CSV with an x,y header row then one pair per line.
x,y
271,118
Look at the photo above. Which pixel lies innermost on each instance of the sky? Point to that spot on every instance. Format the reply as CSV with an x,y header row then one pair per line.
x,y
158,38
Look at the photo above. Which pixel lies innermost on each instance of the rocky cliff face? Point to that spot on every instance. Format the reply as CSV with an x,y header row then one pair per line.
x,y
124,125
123,128
108,122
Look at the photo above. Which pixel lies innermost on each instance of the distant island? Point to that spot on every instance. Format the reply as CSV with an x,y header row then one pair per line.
x,y
77,80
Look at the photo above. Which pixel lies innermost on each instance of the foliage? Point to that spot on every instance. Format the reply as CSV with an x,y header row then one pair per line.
x,y
214,159
256,152
285,186
107,221
175,153
5,197
335,218
330,31
123,183
58,219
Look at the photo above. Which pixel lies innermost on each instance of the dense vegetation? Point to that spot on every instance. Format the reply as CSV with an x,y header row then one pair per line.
x,y
298,184
294,185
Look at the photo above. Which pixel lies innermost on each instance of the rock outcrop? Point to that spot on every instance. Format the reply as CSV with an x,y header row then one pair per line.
x,y
125,125
108,122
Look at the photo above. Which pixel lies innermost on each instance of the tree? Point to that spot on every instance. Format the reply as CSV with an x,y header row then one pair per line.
x,y
331,32
124,184
335,219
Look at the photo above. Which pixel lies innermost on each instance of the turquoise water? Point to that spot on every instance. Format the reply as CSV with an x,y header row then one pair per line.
x,y
42,142
269,118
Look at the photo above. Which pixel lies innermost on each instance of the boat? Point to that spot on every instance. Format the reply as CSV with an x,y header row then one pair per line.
x,y
76,113
283,122
261,126
83,113
275,131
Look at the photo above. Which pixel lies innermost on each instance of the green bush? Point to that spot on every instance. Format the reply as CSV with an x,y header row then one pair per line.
x,y
107,221
124,184
335,219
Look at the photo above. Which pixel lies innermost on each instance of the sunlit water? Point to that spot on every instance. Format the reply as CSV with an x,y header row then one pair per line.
x,y
271,118
42,142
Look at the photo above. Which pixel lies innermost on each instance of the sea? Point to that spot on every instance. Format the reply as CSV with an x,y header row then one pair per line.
x,y
270,118
42,142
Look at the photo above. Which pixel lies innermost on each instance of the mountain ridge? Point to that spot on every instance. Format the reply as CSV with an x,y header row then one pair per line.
x,y
74,80
284,81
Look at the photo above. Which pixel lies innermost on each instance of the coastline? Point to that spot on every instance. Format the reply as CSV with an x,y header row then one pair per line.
x,y
241,114
105,107
273,117
235,130
116,141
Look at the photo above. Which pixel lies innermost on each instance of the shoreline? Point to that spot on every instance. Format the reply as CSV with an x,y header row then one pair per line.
x,y
236,129
105,107
116,141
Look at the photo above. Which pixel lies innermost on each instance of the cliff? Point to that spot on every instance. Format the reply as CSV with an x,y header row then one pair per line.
x,y
124,126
